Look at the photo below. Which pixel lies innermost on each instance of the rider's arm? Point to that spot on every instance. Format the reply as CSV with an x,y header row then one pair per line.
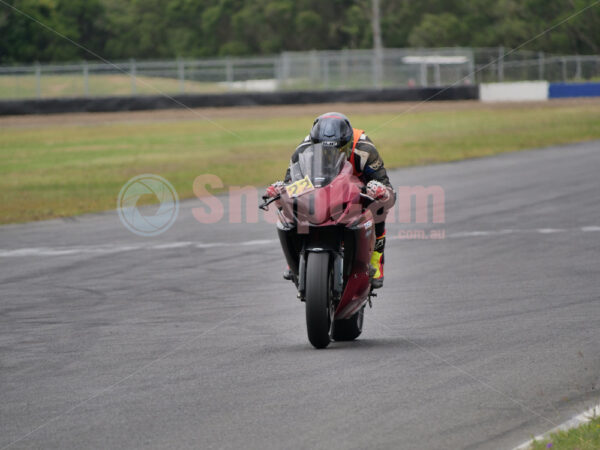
x,y
373,168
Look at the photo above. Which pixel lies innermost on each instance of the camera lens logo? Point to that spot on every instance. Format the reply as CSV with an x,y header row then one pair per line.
x,y
145,223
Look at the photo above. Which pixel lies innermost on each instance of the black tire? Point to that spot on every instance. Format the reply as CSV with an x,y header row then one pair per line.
x,y
318,299
348,329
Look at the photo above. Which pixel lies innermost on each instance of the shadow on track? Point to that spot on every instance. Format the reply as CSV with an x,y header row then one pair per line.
x,y
399,343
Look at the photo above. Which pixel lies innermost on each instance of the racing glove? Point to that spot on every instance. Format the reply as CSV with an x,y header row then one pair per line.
x,y
275,190
378,191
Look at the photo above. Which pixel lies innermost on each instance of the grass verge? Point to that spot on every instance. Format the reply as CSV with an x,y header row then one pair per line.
x,y
63,169
52,86
584,437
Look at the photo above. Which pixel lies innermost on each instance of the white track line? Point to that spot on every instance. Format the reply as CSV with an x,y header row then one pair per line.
x,y
590,228
579,419
465,234
550,230
105,249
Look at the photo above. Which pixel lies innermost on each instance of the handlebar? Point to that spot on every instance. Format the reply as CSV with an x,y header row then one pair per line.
x,y
367,200
267,201
367,197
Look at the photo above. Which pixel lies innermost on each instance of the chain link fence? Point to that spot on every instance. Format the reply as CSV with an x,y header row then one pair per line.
x,y
315,70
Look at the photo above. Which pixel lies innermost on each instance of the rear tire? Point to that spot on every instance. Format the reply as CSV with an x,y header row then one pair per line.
x,y
318,299
349,329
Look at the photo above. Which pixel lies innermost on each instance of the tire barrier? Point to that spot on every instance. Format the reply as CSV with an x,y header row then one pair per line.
x,y
140,103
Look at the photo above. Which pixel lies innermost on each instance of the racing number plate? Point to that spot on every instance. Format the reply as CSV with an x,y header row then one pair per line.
x,y
300,187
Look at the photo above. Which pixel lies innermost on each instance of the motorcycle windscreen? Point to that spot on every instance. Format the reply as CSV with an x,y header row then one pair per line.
x,y
320,163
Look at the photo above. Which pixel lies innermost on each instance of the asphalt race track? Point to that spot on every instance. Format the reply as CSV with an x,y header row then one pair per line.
x,y
193,340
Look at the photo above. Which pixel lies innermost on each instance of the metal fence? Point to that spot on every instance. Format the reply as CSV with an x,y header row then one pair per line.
x,y
315,70
491,66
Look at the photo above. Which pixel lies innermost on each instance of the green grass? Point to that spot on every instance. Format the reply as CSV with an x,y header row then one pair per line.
x,y
53,170
585,437
24,86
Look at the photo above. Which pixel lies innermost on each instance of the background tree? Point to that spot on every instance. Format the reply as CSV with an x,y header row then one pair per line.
x,y
144,29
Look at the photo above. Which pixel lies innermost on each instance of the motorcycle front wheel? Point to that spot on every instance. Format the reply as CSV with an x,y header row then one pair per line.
x,y
318,299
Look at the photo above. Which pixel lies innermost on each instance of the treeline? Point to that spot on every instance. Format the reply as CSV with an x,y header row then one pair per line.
x,y
144,29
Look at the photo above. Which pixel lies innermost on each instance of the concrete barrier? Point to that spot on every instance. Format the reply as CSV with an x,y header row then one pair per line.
x,y
137,103
514,92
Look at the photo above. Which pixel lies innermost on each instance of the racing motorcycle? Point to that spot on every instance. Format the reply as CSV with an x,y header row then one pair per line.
x,y
326,228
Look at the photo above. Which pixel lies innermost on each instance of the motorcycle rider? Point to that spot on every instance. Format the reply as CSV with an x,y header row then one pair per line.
x,y
335,128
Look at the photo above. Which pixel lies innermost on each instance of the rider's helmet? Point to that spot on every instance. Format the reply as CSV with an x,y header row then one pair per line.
x,y
333,129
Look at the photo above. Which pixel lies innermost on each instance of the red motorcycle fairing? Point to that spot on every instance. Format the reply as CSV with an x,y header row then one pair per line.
x,y
358,282
338,205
